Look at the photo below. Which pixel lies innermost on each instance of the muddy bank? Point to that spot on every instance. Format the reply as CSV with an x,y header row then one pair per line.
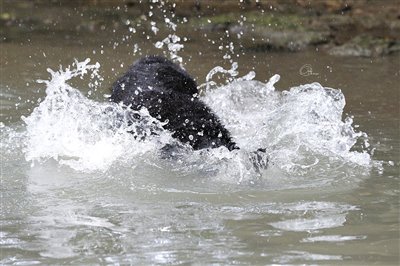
x,y
366,28
343,28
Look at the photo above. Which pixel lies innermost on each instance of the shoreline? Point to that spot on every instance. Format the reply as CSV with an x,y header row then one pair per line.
x,y
341,28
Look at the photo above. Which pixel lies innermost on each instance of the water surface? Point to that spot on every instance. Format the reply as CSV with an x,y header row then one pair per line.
x,y
77,189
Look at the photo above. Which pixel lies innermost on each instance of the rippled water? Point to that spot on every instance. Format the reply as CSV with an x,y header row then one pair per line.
x,y
77,188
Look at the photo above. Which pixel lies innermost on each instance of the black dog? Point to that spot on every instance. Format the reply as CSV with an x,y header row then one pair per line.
x,y
170,95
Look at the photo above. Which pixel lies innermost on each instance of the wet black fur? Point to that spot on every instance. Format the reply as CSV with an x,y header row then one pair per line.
x,y
170,94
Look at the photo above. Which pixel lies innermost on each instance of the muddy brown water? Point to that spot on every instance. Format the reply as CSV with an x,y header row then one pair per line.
x,y
55,215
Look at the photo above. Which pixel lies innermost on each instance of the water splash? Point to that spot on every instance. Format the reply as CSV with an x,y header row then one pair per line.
x,y
301,129
84,134
172,43
231,76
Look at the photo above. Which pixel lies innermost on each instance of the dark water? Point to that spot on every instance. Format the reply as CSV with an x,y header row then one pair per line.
x,y
160,212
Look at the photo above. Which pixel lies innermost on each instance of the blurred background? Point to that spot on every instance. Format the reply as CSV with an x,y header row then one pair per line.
x,y
341,27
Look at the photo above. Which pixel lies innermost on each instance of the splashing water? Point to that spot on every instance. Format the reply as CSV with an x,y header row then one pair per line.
x,y
172,44
81,133
301,129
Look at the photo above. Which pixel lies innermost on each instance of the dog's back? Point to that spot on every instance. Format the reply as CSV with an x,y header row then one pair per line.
x,y
170,95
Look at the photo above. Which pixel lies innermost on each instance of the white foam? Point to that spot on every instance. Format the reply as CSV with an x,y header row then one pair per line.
x,y
302,224
331,238
81,133
302,129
